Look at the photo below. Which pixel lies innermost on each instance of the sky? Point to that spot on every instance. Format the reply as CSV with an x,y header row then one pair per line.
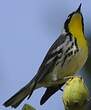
x,y
27,30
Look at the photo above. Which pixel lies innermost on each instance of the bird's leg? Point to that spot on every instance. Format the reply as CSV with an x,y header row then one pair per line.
x,y
71,77
68,77
64,80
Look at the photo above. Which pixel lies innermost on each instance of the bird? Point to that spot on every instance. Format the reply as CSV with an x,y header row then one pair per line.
x,y
65,57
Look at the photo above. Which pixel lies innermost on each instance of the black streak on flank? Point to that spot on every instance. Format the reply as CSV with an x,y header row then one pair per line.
x,y
66,56
77,49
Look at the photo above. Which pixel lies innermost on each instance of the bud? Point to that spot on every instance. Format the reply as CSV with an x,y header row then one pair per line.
x,y
28,107
75,94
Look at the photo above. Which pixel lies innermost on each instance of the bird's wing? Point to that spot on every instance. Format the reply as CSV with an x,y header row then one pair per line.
x,y
51,57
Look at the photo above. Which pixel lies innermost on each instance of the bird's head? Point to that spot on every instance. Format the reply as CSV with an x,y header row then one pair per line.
x,y
74,23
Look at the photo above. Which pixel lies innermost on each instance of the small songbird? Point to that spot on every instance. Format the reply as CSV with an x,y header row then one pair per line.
x,y
65,57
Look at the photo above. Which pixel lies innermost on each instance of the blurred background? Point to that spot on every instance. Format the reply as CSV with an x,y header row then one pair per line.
x,y
27,29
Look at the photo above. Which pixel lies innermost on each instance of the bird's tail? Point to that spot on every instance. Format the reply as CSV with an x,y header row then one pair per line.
x,y
16,99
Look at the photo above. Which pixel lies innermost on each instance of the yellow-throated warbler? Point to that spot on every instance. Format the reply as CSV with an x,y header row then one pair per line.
x,y
65,57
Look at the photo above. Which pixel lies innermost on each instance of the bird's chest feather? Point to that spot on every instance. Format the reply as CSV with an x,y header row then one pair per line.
x,y
71,64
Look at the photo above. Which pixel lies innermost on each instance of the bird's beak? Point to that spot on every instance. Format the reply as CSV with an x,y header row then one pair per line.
x,y
79,8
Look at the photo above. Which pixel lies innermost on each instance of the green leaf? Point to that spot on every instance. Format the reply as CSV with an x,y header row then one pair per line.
x,y
28,107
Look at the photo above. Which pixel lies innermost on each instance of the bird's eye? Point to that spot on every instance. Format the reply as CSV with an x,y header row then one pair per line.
x,y
68,17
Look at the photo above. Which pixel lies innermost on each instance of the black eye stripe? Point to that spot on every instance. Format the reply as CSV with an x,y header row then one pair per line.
x,y
76,45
